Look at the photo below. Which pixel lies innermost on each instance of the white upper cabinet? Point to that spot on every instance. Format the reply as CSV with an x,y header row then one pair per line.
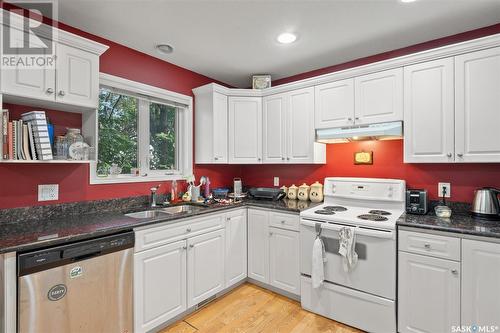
x,y
245,130
379,97
334,104
77,77
72,78
477,102
274,128
300,119
429,112
211,117
288,126
480,283
29,82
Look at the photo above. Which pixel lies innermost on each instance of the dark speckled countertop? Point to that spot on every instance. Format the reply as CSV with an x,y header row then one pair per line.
x,y
29,228
461,222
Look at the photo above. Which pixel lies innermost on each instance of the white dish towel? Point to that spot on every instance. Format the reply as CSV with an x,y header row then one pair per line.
x,y
318,260
347,244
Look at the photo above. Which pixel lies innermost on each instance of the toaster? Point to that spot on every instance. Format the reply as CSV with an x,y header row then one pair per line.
x,y
417,201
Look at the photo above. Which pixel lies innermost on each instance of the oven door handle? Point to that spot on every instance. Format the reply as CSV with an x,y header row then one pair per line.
x,y
386,234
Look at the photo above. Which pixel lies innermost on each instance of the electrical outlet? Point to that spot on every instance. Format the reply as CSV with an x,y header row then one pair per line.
x,y
276,181
48,192
440,189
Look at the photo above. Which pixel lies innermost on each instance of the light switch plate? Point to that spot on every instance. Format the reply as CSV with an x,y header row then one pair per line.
x,y
440,189
276,181
48,192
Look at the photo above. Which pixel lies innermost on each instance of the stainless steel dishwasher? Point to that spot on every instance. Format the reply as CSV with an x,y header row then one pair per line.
x,y
77,288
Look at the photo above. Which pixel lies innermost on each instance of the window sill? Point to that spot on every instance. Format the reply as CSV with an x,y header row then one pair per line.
x,y
120,179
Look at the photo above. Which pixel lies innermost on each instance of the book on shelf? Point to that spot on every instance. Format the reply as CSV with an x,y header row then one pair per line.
x,y
39,137
4,134
9,140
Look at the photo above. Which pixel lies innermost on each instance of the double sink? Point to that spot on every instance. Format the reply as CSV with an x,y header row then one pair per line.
x,y
167,211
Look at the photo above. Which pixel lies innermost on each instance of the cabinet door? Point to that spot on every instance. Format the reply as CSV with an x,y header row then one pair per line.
x,y
379,97
77,77
258,245
300,120
36,83
429,112
334,105
480,283
429,294
477,115
205,266
236,247
274,129
284,260
219,128
159,285
245,130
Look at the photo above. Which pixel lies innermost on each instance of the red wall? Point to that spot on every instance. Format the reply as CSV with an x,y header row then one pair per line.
x,y
18,182
387,163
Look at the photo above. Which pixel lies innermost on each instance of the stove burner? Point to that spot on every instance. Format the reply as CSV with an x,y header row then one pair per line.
x,y
379,212
335,208
372,217
324,212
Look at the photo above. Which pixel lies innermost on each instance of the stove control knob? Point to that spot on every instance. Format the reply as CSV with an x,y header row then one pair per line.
x,y
333,189
413,209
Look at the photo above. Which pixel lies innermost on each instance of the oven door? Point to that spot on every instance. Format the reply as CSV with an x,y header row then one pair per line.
x,y
375,272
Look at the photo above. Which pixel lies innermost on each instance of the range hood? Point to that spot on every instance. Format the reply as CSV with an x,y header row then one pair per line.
x,y
382,131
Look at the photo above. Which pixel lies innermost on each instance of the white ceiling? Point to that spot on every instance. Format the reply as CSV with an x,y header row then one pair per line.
x,y
231,40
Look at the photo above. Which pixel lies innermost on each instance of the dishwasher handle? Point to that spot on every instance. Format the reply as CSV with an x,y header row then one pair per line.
x,y
40,260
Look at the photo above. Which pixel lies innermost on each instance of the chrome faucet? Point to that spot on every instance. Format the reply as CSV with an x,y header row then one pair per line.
x,y
153,195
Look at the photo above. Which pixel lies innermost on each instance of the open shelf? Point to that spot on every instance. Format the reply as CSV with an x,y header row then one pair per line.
x,y
45,162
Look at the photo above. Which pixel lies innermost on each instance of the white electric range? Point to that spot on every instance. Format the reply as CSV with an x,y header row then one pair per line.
x,y
365,296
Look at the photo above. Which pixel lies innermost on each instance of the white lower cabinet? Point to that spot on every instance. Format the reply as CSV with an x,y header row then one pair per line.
x,y
159,285
205,266
480,283
258,245
429,293
273,253
284,260
236,247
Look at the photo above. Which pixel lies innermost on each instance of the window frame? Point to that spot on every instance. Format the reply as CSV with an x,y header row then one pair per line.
x,y
184,131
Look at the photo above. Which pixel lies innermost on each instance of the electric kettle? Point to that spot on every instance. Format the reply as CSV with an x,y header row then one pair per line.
x,y
486,203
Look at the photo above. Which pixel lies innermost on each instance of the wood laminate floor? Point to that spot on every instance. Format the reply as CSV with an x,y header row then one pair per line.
x,y
251,309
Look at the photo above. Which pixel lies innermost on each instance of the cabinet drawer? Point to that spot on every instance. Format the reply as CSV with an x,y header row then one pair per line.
x,y
163,234
431,245
285,221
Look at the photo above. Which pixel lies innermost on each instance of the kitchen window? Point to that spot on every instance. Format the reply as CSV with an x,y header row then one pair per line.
x,y
143,133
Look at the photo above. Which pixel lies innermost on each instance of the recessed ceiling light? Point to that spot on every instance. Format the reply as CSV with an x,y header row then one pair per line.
x,y
287,38
407,1
164,48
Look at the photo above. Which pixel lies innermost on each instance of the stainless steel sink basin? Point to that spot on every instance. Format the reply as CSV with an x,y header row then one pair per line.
x,y
146,214
182,209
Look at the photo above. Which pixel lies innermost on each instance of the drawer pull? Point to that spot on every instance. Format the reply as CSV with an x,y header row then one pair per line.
x,y
454,272
283,221
191,245
427,246
188,230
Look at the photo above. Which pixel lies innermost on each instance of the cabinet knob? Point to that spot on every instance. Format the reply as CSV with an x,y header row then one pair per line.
x,y
258,159
356,118
282,158
349,119
427,246
270,233
188,230
460,155
216,158
454,271
184,247
288,158
228,219
191,245
283,221
49,91
61,93
449,154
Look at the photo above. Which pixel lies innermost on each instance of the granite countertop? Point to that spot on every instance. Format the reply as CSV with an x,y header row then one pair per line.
x,y
20,233
460,222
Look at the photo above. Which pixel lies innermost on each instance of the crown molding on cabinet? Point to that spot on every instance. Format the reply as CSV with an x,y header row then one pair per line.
x,y
56,34
410,59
